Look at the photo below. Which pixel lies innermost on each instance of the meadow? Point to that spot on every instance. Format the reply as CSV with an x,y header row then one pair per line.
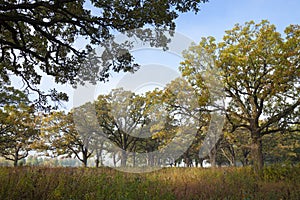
x,y
276,182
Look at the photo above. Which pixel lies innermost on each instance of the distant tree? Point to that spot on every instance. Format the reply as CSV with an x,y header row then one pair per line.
x,y
18,132
4,162
33,160
187,106
39,36
226,147
99,148
60,137
282,147
261,76
121,116
236,146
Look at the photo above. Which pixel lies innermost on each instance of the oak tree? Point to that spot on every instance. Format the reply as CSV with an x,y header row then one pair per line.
x,y
38,37
60,137
18,131
261,75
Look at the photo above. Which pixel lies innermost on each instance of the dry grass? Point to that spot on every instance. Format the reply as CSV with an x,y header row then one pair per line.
x,y
171,183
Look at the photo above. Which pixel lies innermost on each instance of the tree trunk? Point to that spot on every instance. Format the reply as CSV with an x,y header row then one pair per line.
x,y
84,163
16,158
101,160
187,158
233,164
257,155
150,159
98,158
201,162
15,161
212,157
212,160
133,159
97,162
114,159
245,160
229,156
123,158
84,159
196,163
158,161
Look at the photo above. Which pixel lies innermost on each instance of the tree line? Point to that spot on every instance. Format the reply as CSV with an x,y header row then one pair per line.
x,y
260,75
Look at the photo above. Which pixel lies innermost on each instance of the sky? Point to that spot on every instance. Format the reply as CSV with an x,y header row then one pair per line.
x,y
213,19
216,16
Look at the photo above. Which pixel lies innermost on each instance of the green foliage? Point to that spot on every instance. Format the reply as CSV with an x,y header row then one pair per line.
x,y
10,96
115,125
37,38
60,137
18,131
258,67
282,147
260,75
282,172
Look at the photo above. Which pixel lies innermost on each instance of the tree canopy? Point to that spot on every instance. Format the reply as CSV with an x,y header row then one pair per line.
x,y
257,66
261,75
38,37
18,132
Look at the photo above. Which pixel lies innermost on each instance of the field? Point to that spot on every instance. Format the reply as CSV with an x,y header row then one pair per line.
x,y
277,182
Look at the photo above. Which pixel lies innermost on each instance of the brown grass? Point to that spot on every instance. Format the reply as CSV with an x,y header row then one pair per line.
x,y
171,183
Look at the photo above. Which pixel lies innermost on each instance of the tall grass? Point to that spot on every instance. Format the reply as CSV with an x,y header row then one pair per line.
x,y
278,182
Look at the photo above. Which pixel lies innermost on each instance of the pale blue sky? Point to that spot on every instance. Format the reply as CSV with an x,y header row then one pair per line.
x,y
219,15
214,18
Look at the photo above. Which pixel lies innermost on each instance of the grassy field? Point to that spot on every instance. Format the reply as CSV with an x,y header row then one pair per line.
x,y
170,183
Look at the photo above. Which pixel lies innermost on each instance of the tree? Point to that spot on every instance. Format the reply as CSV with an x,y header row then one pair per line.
x,y
261,76
192,100
33,160
99,149
18,132
187,113
236,145
37,37
61,137
282,147
121,116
